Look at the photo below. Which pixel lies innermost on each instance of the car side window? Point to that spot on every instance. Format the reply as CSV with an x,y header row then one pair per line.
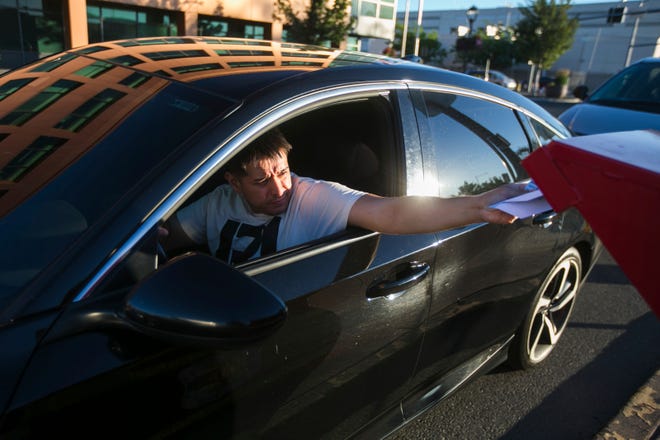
x,y
545,135
352,143
477,144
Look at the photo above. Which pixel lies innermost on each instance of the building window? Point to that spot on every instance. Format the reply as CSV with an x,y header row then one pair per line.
x,y
174,54
352,43
31,29
209,25
39,102
51,65
29,158
134,80
386,12
212,27
93,70
383,9
111,22
13,86
254,31
89,110
368,9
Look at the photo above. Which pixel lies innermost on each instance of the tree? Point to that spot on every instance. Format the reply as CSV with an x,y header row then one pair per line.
x,y
321,23
472,188
498,48
545,32
430,49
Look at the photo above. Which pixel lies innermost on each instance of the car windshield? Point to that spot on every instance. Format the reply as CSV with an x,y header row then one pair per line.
x,y
637,88
57,187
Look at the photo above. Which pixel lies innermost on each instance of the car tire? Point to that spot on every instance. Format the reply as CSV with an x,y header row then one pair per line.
x,y
551,309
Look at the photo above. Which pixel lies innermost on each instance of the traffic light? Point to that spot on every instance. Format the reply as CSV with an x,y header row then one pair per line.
x,y
616,15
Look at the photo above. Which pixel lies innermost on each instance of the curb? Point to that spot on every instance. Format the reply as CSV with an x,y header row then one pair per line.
x,y
640,418
541,99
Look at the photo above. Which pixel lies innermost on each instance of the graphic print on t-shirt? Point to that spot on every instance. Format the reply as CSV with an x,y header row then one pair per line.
x,y
240,241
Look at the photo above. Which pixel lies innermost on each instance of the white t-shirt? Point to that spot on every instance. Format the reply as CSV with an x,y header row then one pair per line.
x,y
224,220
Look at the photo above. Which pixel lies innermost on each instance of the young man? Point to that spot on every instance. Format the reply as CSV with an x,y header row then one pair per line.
x,y
265,208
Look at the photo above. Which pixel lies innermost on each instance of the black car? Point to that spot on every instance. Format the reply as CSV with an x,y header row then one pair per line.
x,y
629,100
103,335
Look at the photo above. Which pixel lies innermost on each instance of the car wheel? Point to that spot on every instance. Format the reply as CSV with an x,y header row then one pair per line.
x,y
539,333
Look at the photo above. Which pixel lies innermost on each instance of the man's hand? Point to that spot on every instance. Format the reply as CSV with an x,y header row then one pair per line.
x,y
493,215
504,192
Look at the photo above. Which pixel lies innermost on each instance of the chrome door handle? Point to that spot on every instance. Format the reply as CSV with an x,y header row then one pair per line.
x,y
413,274
544,219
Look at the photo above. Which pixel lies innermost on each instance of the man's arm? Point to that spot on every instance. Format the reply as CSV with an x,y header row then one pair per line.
x,y
424,214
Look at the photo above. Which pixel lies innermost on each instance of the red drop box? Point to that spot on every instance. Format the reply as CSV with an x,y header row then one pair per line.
x,y
613,179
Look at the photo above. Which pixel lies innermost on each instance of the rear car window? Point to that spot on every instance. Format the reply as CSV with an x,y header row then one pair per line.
x,y
478,144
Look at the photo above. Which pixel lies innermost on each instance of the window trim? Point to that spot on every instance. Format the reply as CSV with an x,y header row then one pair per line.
x,y
417,90
426,130
231,144
304,251
420,85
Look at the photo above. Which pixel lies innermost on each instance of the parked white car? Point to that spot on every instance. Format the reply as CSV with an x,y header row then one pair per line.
x,y
494,76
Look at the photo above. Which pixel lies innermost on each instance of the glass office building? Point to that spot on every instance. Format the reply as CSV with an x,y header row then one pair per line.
x,y
31,29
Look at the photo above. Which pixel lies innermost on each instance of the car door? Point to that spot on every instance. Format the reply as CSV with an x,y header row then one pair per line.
x,y
485,274
355,307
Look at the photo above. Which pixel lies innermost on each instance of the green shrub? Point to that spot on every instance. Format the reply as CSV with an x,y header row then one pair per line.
x,y
561,77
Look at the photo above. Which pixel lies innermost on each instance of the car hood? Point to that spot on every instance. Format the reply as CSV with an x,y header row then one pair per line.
x,y
585,119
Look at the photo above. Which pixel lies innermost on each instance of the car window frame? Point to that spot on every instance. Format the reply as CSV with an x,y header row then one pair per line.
x,y
223,152
425,130
529,124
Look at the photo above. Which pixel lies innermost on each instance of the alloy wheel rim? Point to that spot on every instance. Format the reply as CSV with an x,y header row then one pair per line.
x,y
553,309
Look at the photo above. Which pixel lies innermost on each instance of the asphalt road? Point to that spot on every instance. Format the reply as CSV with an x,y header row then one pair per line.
x,y
610,348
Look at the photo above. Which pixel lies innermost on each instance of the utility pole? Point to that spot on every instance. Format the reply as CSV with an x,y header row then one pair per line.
x,y
419,25
404,37
633,37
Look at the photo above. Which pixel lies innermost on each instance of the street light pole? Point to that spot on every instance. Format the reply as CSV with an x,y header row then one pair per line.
x,y
539,34
471,15
631,45
419,25
633,36
404,37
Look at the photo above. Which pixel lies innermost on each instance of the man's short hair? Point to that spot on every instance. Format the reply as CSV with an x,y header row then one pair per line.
x,y
270,145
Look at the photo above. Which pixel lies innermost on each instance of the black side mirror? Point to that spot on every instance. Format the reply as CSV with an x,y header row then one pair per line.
x,y
581,92
199,299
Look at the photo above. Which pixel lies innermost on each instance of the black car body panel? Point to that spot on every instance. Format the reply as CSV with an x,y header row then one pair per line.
x,y
349,335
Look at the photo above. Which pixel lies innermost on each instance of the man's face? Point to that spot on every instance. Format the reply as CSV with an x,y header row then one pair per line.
x,y
266,187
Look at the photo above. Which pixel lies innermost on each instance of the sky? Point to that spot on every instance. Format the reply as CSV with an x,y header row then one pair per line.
x,y
439,5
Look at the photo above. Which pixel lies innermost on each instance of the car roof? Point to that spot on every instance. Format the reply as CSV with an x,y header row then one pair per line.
x,y
135,70
212,63
649,60
236,68
482,70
